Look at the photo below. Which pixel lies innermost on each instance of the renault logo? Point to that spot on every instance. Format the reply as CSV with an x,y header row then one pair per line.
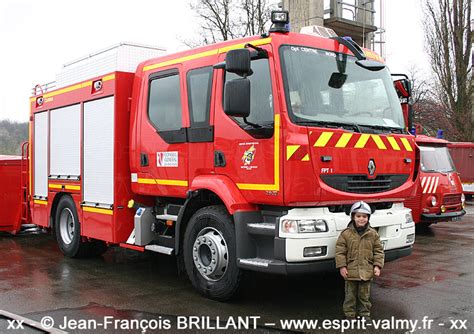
x,y
371,167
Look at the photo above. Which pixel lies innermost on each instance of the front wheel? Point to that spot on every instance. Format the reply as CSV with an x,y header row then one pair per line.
x,y
209,252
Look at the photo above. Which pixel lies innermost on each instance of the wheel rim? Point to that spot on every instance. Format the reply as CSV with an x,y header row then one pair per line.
x,y
67,224
210,254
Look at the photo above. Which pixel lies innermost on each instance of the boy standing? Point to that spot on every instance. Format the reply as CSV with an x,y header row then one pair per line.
x,y
359,257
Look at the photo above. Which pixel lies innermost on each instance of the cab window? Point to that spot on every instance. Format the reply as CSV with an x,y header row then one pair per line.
x,y
164,101
199,83
261,100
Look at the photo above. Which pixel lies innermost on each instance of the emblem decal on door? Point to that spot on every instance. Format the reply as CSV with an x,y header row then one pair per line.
x,y
167,159
248,157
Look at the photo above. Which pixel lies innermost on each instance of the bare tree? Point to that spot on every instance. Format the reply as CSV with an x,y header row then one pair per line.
x,y
448,38
419,85
428,112
221,20
257,15
215,19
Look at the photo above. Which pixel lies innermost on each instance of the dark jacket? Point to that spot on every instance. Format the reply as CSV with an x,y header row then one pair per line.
x,y
359,253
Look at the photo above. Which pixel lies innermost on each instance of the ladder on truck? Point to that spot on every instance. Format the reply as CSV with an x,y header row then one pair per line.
x,y
25,205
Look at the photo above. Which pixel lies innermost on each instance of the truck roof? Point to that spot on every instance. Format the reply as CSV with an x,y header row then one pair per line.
x,y
468,144
215,49
7,160
221,47
422,139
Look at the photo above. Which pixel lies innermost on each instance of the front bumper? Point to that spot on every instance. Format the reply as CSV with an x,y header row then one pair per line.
x,y
441,217
298,268
391,225
266,247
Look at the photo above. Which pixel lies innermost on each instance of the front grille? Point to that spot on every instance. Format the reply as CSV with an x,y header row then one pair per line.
x,y
452,199
347,207
360,184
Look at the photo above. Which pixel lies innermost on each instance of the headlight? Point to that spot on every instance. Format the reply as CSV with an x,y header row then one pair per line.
x,y
463,198
304,226
408,218
432,201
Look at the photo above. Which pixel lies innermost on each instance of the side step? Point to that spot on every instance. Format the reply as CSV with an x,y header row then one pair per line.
x,y
261,229
167,217
263,265
160,249
154,248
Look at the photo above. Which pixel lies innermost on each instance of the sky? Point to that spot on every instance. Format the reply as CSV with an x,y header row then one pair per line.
x,y
38,36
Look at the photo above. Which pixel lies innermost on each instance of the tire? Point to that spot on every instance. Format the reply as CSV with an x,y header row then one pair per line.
x,y
67,229
209,252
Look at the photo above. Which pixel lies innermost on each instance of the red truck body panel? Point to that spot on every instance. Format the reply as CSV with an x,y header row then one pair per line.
x,y
10,193
111,225
463,157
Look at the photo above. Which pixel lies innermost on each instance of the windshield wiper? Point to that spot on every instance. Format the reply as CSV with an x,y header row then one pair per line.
x,y
386,128
442,171
330,124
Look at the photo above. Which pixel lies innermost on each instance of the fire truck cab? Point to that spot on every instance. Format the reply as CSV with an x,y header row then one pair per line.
x,y
243,155
440,196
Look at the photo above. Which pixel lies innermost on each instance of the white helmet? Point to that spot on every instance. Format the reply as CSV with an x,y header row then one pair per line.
x,y
361,207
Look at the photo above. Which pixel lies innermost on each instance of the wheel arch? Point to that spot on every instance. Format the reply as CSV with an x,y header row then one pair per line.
x,y
208,190
54,207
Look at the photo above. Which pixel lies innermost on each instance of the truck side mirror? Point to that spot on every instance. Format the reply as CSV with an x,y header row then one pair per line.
x,y
237,97
410,117
238,62
403,88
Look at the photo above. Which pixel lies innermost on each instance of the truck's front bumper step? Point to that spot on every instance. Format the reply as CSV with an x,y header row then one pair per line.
x,y
433,217
295,268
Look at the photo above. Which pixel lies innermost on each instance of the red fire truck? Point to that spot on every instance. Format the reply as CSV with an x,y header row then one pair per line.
x,y
243,155
439,194
439,197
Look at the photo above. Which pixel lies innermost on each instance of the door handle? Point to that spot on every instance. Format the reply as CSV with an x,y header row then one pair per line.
x,y
219,159
143,159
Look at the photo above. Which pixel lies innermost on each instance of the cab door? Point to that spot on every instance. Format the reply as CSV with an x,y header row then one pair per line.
x,y
248,151
200,95
162,141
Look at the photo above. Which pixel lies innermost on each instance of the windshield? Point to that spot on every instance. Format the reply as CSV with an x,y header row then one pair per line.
x,y
324,86
436,159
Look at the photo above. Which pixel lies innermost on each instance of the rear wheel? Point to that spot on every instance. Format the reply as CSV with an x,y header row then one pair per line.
x,y
210,253
68,232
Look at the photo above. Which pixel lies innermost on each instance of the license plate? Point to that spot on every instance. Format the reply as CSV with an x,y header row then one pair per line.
x,y
456,219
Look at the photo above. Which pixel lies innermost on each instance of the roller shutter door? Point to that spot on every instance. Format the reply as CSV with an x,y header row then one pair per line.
x,y
41,155
99,151
66,142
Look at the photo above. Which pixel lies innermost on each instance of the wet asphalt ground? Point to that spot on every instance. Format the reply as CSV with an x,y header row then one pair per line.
x,y
434,284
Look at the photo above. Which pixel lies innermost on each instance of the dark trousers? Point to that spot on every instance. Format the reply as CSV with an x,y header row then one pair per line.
x,y
357,299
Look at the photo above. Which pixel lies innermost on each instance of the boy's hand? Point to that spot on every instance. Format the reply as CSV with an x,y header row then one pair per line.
x,y
343,272
376,271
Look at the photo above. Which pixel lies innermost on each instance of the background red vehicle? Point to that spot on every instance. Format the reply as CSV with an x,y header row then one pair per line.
x,y
243,155
462,154
439,194
439,197
10,194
